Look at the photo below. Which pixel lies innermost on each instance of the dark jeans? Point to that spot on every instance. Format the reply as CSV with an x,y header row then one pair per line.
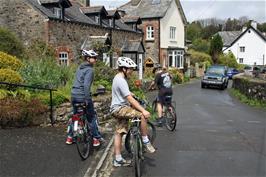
x,y
91,116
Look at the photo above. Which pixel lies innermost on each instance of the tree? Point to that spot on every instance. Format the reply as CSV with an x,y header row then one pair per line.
x,y
216,47
262,27
200,45
194,31
209,31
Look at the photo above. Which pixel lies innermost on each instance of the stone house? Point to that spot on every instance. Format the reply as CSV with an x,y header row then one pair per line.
x,y
67,25
164,25
248,45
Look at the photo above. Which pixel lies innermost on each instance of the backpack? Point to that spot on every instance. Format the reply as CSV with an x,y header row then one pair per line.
x,y
167,82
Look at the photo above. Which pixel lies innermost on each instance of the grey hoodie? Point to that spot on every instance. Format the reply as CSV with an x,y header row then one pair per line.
x,y
83,81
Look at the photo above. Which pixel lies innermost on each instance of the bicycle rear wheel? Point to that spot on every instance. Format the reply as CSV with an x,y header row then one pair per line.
x,y
84,140
151,134
136,155
170,118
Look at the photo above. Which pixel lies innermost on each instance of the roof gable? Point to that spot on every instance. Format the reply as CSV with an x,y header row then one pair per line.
x,y
256,31
151,8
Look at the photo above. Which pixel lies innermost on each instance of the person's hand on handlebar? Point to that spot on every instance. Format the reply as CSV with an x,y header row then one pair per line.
x,y
146,114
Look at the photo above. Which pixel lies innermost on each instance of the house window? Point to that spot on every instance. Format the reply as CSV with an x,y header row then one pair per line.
x,y
58,13
150,33
176,58
111,22
63,58
241,60
172,32
97,19
242,49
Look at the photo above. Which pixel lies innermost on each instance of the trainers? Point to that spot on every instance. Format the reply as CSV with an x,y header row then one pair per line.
x,y
121,163
149,147
69,140
96,142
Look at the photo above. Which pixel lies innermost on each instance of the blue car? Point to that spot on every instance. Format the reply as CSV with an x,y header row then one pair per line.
x,y
231,72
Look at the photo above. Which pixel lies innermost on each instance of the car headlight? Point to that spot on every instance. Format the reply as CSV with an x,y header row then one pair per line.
x,y
219,78
205,77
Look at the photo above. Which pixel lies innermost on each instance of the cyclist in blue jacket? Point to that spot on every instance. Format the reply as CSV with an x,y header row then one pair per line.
x,y
81,93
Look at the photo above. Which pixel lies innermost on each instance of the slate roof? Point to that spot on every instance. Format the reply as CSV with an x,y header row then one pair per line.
x,y
131,19
133,46
93,10
146,9
74,14
149,9
229,36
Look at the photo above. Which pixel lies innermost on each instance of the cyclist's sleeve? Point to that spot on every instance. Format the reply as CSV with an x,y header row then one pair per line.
x,y
88,79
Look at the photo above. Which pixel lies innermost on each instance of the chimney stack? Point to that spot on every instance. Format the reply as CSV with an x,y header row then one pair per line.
x,y
87,3
254,24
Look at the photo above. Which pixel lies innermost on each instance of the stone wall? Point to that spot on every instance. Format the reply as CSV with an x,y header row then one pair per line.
x,y
101,104
29,24
252,88
21,18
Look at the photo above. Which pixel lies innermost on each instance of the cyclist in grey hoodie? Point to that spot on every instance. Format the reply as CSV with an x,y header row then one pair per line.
x,y
81,93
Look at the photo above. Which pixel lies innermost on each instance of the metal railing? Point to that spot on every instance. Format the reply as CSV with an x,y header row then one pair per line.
x,y
39,88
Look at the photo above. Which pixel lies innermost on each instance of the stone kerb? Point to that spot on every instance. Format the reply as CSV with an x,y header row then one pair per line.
x,y
251,87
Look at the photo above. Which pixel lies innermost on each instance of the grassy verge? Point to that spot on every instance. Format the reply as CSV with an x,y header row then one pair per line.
x,y
244,99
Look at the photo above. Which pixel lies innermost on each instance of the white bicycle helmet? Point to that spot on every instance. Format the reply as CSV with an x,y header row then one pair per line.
x,y
126,62
89,53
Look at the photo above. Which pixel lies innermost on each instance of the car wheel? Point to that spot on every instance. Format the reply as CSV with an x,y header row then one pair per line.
x,y
202,86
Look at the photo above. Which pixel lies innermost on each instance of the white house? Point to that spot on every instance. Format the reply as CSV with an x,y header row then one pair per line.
x,y
163,25
248,45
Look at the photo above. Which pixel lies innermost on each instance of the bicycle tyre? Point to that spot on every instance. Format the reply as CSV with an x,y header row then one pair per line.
x,y
170,118
84,141
154,110
151,135
136,155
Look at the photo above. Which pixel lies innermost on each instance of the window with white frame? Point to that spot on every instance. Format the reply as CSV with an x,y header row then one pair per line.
x,y
176,58
242,49
63,58
111,22
241,60
150,33
58,12
172,32
97,19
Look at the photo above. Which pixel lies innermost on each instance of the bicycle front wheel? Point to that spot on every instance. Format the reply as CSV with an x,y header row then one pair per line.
x,y
151,134
84,141
170,118
136,155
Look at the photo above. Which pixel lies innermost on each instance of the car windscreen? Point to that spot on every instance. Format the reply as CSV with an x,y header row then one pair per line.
x,y
215,70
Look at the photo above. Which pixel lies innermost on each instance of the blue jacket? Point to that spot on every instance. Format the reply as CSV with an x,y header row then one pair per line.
x,y
81,90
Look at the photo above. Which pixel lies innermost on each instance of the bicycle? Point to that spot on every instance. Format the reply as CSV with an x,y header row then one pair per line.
x,y
82,131
133,140
169,113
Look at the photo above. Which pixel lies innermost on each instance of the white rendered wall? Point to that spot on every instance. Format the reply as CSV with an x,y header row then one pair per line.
x,y
172,18
255,48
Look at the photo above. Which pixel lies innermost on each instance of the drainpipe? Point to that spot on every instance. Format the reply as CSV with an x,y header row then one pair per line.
x,y
159,41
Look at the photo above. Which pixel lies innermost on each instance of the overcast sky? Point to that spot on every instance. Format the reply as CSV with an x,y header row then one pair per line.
x,y
199,9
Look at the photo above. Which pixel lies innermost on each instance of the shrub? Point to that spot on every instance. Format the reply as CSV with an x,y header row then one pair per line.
x,y
8,75
199,57
19,113
177,75
45,73
39,49
58,98
9,62
228,60
10,43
